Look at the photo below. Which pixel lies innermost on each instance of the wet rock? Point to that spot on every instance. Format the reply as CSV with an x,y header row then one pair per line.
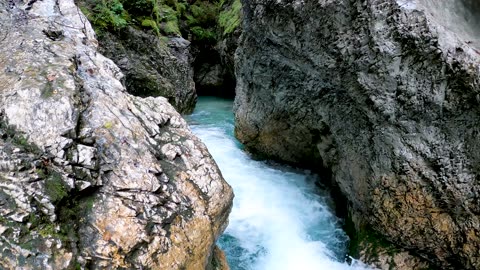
x,y
382,94
84,180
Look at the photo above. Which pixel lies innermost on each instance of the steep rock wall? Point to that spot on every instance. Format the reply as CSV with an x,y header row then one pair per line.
x,y
153,66
383,94
90,176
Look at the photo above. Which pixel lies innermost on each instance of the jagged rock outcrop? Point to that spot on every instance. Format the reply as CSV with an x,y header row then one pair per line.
x,y
385,95
90,176
153,66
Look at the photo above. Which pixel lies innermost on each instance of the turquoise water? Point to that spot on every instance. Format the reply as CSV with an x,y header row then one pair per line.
x,y
280,219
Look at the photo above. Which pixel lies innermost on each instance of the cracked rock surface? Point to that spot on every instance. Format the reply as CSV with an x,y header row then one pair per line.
x,y
90,176
153,66
385,95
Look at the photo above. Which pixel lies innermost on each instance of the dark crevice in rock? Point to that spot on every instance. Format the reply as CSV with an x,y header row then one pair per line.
x,y
53,34
30,4
214,73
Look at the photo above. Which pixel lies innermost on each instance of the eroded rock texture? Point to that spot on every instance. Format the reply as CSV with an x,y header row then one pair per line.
x,y
384,94
153,66
90,176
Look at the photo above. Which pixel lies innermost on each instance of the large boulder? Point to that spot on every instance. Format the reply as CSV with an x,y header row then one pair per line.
x,y
90,176
383,94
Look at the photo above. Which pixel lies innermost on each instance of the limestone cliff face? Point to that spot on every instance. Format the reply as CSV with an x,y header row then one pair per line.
x,y
90,176
384,94
153,66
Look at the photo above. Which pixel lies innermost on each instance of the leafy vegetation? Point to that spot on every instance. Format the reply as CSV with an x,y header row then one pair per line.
x,y
200,20
230,18
149,23
107,14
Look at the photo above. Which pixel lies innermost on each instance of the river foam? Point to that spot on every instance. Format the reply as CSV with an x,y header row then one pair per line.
x,y
280,219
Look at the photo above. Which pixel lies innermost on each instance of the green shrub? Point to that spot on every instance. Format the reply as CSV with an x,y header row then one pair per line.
x,y
181,8
202,19
167,13
190,20
203,34
230,18
151,24
168,17
204,13
139,7
109,14
170,27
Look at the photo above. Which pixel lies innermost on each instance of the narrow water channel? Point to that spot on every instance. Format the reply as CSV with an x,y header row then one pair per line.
x,y
280,219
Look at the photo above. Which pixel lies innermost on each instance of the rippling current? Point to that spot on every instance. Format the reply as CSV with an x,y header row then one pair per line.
x,y
280,219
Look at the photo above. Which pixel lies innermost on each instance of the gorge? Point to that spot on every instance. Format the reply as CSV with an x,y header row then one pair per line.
x,y
280,219
357,127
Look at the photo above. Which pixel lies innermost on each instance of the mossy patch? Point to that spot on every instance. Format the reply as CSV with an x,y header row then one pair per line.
x,y
151,24
170,28
201,20
230,18
108,125
11,135
55,187
48,90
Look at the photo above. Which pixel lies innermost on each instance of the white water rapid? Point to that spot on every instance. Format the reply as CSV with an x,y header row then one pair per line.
x,y
280,219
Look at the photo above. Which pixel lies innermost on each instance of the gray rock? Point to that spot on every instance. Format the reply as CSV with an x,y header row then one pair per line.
x,y
153,66
385,95
91,176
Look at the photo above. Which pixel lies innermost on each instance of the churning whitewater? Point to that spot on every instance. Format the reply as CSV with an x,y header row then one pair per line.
x,y
280,219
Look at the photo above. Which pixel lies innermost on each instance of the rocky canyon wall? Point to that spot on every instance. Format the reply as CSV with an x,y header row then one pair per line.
x,y
153,66
385,96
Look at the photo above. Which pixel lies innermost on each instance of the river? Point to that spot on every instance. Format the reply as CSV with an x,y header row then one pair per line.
x,y
280,219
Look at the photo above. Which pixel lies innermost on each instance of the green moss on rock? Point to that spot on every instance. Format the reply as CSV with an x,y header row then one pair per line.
x,y
201,19
55,187
230,18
